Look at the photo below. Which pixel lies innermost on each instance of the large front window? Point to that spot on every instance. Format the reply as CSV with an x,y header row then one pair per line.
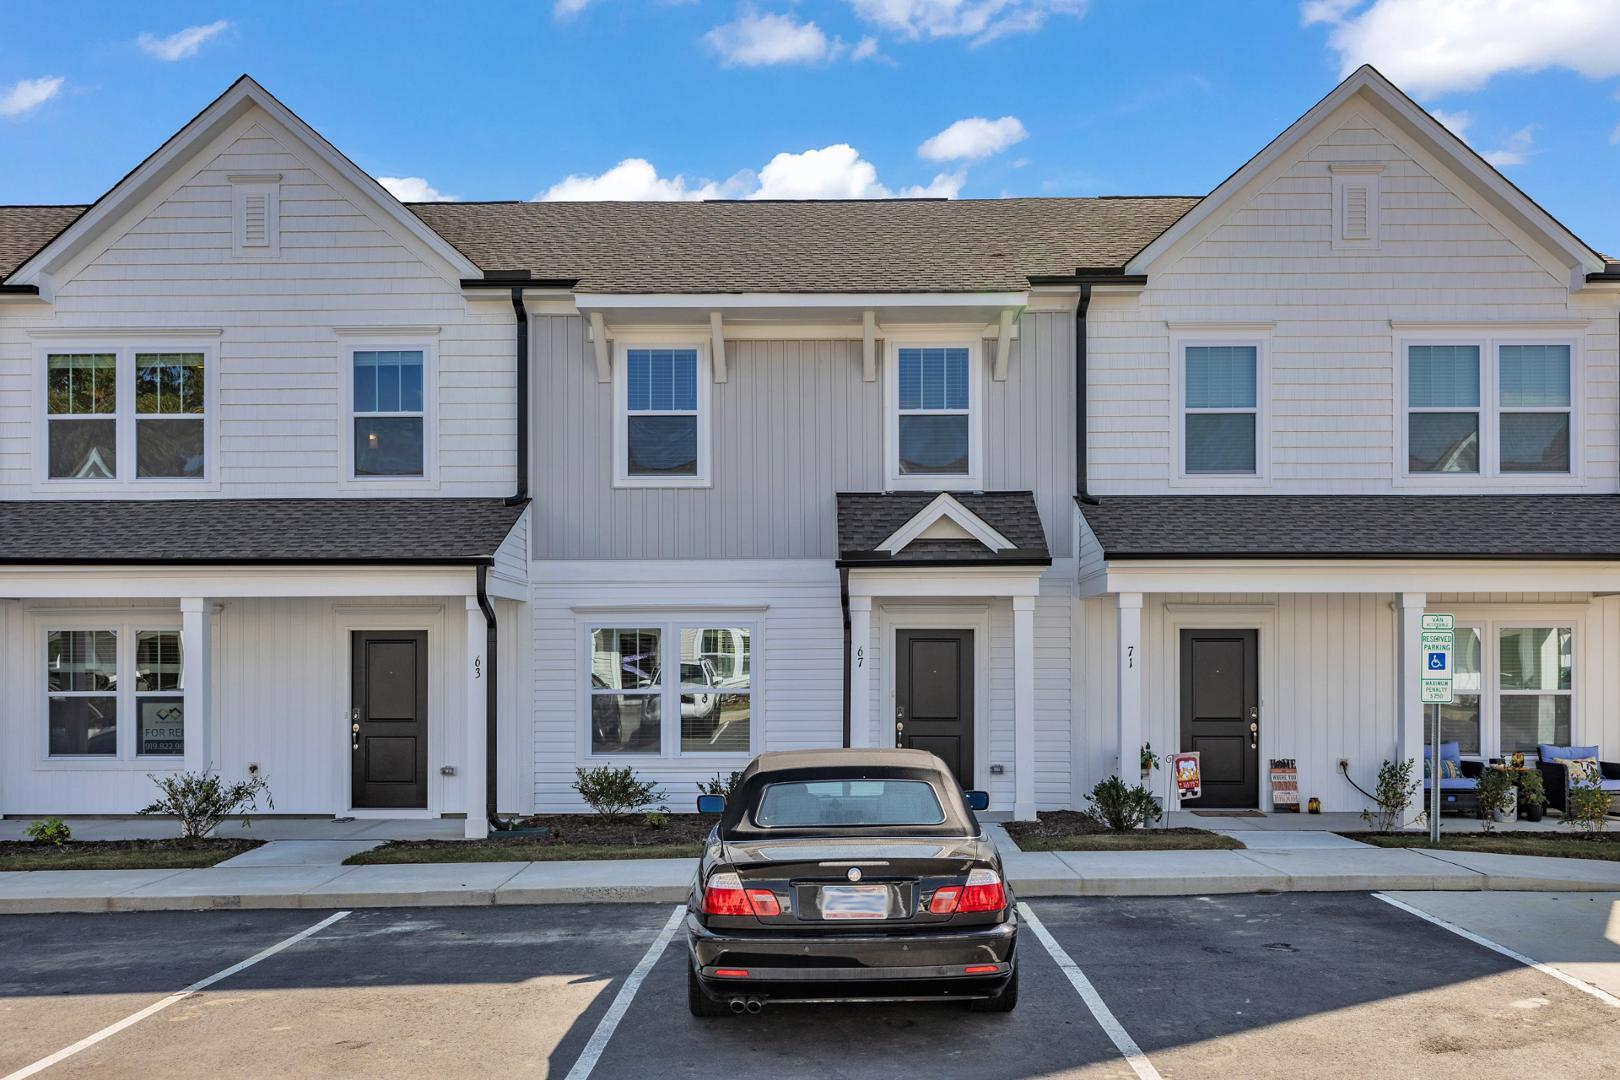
x,y
114,691
121,414
671,689
1535,686
1490,407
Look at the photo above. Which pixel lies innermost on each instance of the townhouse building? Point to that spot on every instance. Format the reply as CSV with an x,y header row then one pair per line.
x,y
417,509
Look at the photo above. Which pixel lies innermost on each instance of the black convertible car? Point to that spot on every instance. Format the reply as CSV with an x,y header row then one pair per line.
x,y
849,875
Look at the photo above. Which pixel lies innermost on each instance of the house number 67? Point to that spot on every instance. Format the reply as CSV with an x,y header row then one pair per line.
x,y
860,657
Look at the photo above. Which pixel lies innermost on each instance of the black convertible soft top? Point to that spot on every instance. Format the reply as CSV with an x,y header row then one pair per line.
x,y
800,765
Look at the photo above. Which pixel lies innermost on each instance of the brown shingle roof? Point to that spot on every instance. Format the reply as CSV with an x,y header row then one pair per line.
x,y
26,229
894,245
891,245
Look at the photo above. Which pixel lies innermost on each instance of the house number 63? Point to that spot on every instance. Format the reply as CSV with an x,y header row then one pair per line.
x,y
478,667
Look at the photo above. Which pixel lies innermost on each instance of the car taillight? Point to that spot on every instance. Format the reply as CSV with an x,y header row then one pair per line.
x,y
944,901
983,892
725,895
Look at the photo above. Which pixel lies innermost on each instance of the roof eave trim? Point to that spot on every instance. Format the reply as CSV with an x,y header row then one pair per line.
x,y
856,562
453,560
742,300
1378,556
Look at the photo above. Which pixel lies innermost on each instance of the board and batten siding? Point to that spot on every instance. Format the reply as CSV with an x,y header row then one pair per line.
x,y
1328,677
794,424
281,410
1333,369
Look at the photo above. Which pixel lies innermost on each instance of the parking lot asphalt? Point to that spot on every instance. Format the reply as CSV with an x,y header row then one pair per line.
x,y
1286,985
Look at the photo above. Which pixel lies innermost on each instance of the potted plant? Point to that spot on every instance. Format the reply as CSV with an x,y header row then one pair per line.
x,y
1498,800
1532,795
1150,762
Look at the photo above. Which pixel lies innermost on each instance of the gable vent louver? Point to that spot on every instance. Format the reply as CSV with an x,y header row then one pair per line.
x,y
1355,212
255,220
255,214
1355,204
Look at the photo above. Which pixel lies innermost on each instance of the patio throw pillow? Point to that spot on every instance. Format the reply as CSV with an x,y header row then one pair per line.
x,y
1582,769
1450,770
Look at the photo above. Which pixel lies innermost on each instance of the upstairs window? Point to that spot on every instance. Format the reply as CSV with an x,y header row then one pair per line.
x,y
389,417
661,429
934,429
1221,410
126,415
82,406
1490,408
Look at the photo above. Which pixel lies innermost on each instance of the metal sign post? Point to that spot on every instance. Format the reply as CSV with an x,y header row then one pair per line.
x,y
1435,644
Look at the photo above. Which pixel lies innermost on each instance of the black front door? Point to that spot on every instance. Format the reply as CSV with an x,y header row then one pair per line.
x,y
1220,713
388,719
933,696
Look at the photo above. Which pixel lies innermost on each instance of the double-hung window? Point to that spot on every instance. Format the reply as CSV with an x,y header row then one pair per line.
x,y
670,689
1221,422
117,415
661,430
1535,686
114,691
389,415
934,423
1490,407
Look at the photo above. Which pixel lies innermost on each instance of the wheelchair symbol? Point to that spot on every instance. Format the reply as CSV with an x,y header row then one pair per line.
x,y
1437,661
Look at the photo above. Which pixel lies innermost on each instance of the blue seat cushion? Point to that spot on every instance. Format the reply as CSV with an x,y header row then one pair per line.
x,y
1457,783
1449,751
1612,785
1549,752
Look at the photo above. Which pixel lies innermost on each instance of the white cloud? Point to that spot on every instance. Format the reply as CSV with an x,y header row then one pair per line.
x,y
981,20
1435,46
1614,137
564,8
1515,150
413,189
26,95
975,137
1328,11
1455,122
831,172
182,44
757,40
865,49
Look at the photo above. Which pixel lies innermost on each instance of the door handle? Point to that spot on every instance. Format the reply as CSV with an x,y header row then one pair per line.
x,y
354,733
899,733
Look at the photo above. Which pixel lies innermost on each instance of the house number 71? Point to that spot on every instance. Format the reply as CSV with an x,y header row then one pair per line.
x,y
1130,656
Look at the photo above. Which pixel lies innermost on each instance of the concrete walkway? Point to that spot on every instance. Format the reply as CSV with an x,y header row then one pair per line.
x,y
309,874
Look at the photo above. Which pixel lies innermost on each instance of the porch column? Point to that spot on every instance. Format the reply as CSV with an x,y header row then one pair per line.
x,y
1130,685
1023,708
860,671
1409,706
473,761
197,665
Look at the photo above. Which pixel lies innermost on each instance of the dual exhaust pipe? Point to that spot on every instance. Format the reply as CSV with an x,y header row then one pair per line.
x,y
740,1005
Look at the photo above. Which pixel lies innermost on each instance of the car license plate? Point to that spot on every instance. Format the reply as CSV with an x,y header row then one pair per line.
x,y
854,901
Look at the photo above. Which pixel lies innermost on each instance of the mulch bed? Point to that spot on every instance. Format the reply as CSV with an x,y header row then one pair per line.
x,y
557,836
1073,830
120,854
1565,844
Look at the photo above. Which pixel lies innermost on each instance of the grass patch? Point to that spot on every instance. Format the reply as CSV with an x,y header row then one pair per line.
x,y
1561,845
1071,830
557,837
120,854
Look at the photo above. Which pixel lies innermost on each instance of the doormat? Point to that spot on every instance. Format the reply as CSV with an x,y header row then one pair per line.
x,y
1228,813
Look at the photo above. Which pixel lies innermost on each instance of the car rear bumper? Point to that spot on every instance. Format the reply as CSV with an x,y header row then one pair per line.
x,y
844,967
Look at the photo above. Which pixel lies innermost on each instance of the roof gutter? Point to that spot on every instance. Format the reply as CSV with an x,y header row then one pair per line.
x,y
18,289
1082,478
491,702
843,601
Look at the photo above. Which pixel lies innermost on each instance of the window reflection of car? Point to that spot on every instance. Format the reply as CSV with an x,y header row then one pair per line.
x,y
605,724
698,704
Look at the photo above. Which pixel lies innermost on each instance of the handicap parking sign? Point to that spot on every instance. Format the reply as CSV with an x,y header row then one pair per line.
x,y
1437,661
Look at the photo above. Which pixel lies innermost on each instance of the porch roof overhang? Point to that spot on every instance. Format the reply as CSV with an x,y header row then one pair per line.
x,y
250,547
1351,543
892,530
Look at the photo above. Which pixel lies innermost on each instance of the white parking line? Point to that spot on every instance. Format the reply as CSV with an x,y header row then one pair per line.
x,y
1105,1017
621,1003
173,999
1546,969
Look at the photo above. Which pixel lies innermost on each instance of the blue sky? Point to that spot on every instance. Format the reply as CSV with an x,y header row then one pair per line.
x,y
974,98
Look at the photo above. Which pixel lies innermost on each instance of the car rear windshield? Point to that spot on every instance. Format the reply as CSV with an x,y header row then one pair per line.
x,y
808,803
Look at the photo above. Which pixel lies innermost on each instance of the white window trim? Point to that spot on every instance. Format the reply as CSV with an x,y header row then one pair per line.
x,y
623,342
973,480
430,415
1490,625
1179,344
669,630
1490,442
124,351
126,624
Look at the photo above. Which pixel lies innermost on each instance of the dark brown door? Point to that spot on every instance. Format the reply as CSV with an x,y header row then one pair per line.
x,y
933,696
388,719
1220,713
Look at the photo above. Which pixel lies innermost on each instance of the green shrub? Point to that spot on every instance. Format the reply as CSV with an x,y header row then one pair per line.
x,y
51,830
720,784
1119,808
1495,790
201,800
1588,804
1392,794
614,793
655,819
1532,791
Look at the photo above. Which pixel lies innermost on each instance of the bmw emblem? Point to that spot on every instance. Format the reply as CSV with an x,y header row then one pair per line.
x,y
854,873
